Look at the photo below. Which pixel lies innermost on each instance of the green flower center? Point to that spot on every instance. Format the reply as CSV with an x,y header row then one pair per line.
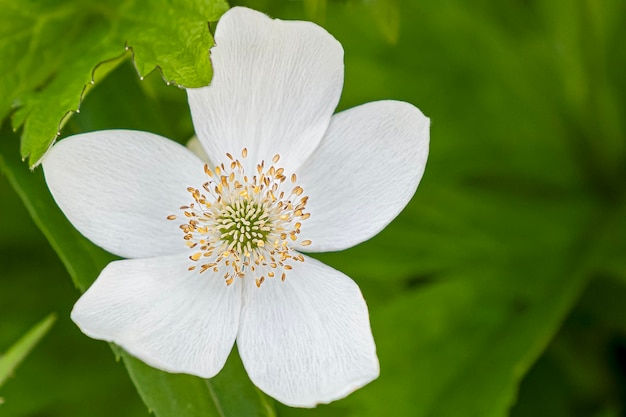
x,y
244,225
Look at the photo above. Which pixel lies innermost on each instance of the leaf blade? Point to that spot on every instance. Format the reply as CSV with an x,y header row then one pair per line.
x,y
20,350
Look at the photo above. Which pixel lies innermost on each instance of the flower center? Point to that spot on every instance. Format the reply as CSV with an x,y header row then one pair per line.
x,y
243,225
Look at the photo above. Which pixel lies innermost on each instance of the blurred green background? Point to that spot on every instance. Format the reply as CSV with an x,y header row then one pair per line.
x,y
500,290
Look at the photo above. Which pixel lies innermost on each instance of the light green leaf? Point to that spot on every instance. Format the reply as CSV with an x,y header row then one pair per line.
x,y
49,51
167,395
18,352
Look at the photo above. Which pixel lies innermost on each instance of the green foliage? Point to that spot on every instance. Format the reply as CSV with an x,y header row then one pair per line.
x,y
229,394
50,52
18,352
500,289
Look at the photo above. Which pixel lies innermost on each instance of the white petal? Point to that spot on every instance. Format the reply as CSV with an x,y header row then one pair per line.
x,y
307,340
117,187
274,89
363,174
172,319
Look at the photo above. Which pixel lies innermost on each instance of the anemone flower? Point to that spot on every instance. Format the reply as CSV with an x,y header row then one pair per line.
x,y
214,246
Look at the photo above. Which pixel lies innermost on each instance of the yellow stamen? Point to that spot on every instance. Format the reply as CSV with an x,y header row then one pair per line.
x,y
243,226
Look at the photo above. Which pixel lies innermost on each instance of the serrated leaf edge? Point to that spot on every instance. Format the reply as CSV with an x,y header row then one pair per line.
x,y
69,113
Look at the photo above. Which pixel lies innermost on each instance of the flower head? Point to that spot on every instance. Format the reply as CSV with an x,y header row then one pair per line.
x,y
214,247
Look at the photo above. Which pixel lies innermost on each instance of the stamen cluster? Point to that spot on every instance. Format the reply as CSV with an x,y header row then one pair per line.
x,y
243,225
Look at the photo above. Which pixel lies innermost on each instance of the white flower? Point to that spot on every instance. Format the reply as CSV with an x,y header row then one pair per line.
x,y
214,250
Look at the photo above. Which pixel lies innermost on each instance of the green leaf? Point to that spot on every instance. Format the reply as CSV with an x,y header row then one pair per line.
x,y
230,393
165,394
18,352
49,52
